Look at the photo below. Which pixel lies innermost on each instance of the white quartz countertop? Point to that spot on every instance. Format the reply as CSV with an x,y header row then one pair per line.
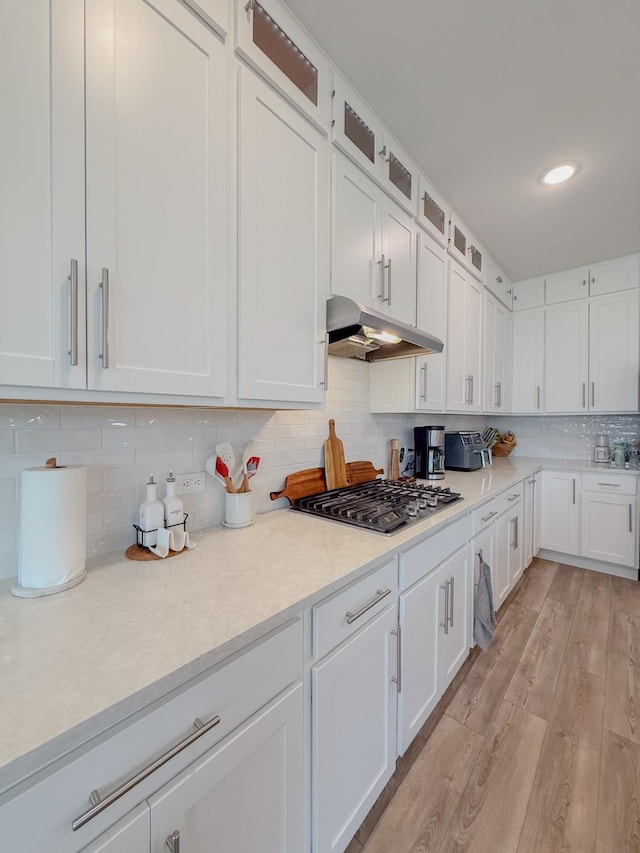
x,y
75,663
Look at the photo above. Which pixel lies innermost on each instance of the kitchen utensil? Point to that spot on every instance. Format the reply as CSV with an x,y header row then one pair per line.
x,y
394,459
311,481
225,451
222,471
249,470
334,465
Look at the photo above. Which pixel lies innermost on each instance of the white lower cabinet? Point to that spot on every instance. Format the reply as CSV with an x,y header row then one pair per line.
x,y
245,794
434,624
609,518
354,701
560,521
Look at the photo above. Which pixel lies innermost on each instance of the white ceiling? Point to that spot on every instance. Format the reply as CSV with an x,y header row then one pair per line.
x,y
486,95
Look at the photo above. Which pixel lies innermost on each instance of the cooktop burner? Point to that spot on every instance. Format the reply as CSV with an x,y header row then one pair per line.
x,y
379,505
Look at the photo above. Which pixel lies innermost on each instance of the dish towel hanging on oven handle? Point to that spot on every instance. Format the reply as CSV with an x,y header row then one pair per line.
x,y
484,615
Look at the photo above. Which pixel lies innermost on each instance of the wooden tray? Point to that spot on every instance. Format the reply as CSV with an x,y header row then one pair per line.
x,y
136,552
312,481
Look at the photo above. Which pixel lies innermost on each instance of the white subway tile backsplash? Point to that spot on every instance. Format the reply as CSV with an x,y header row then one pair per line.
x,y
121,445
56,440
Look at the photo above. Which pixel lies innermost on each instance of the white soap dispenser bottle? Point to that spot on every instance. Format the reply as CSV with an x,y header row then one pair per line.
x,y
151,514
173,510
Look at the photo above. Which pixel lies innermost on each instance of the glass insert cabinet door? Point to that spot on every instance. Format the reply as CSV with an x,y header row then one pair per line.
x,y
278,48
399,174
356,130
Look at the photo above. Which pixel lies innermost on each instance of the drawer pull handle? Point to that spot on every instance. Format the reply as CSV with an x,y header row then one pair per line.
x,y
513,498
98,804
630,518
488,517
380,594
613,485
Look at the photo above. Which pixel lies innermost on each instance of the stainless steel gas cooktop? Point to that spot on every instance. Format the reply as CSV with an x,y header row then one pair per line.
x,y
380,505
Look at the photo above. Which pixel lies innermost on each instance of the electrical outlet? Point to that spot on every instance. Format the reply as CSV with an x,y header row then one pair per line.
x,y
191,483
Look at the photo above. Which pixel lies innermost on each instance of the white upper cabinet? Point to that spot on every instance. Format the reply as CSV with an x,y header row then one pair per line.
x,y
464,247
495,341
356,129
399,173
528,293
528,361
157,215
566,285
42,274
283,183
433,211
464,381
356,234
498,282
567,357
373,245
276,46
614,351
614,275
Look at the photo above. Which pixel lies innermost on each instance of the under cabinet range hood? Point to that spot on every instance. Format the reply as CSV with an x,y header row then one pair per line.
x,y
358,332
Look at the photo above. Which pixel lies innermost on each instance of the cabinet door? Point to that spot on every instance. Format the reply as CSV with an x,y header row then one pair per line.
x,y
560,512
356,130
464,388
528,521
494,337
609,528
353,725
421,612
399,174
528,361
528,293
245,794
614,338
567,357
516,556
432,211
431,316
566,285
617,274
42,194
356,248
282,249
157,214
399,250
501,559
132,834
455,640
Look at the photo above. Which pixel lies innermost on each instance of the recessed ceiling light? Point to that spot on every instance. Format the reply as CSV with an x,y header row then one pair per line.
x,y
559,174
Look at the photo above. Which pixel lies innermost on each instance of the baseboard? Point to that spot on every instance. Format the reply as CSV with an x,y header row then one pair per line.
x,y
588,563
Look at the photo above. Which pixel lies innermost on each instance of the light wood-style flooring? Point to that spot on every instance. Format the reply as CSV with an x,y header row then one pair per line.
x,y
539,749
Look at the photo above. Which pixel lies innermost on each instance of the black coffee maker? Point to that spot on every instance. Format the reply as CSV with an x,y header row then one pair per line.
x,y
429,448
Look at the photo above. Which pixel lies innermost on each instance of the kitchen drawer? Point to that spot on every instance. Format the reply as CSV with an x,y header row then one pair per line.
x,y
618,484
510,497
338,617
422,559
485,514
41,818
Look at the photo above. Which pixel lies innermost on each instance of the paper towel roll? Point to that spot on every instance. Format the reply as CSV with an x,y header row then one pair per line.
x,y
53,530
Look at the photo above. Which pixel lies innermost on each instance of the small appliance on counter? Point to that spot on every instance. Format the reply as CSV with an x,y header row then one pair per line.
x,y
601,451
430,452
466,451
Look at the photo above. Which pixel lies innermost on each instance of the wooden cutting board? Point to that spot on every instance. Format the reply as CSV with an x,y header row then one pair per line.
x,y
335,467
311,481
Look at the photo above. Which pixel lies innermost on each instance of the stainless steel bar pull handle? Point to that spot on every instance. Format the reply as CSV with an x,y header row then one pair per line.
x,y
99,804
514,497
104,286
325,382
389,282
584,395
593,393
574,490
630,518
380,594
451,600
382,265
471,395
397,632
424,382
73,326
538,395
488,517
613,485
173,842
445,624
516,519
499,395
